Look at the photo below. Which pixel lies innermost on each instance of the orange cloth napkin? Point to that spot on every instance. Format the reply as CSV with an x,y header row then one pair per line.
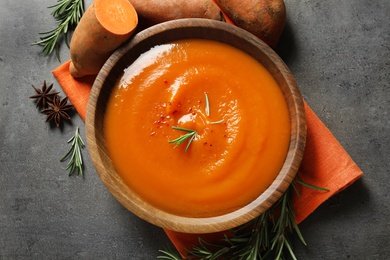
x,y
325,162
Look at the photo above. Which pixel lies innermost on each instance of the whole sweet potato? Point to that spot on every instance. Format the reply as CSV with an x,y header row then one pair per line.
x,y
156,11
263,18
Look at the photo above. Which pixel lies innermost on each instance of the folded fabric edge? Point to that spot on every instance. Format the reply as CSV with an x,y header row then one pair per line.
x,y
77,90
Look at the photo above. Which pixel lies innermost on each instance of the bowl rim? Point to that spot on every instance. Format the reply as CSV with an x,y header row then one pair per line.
x,y
194,28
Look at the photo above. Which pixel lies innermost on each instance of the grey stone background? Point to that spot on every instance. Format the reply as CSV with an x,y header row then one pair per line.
x,y
339,52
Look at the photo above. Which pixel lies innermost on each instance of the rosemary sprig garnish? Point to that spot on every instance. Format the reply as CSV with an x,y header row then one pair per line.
x,y
75,163
67,13
190,135
265,237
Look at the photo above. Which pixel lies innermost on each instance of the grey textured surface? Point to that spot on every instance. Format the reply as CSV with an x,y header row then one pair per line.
x,y
339,52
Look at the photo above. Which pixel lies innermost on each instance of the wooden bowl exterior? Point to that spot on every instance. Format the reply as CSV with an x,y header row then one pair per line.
x,y
163,33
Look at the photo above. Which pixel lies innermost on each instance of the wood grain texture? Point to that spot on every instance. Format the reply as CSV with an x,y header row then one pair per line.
x,y
181,29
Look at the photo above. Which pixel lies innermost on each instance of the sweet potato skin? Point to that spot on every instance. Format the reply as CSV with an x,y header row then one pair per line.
x,y
156,11
92,44
264,18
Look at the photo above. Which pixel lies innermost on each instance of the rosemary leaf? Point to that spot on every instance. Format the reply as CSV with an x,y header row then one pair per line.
x,y
290,250
295,189
190,141
311,186
217,122
280,246
168,254
296,228
207,108
183,129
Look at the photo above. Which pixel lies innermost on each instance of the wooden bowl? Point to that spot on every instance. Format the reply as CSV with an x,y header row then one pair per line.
x,y
163,33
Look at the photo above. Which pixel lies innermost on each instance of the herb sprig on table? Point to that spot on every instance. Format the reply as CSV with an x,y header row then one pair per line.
x,y
75,164
68,14
266,237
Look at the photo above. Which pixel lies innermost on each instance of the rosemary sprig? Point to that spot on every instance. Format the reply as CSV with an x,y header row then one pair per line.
x,y
75,163
265,237
67,13
190,135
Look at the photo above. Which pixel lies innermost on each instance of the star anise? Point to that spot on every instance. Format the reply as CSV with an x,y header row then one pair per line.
x,y
57,110
44,95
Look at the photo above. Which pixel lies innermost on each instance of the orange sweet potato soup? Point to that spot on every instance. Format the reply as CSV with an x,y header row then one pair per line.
x,y
197,127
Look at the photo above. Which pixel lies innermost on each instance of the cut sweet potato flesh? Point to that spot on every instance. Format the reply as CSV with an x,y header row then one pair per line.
x,y
116,16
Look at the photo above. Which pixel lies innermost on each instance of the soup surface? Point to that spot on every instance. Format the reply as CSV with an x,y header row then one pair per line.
x,y
235,119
